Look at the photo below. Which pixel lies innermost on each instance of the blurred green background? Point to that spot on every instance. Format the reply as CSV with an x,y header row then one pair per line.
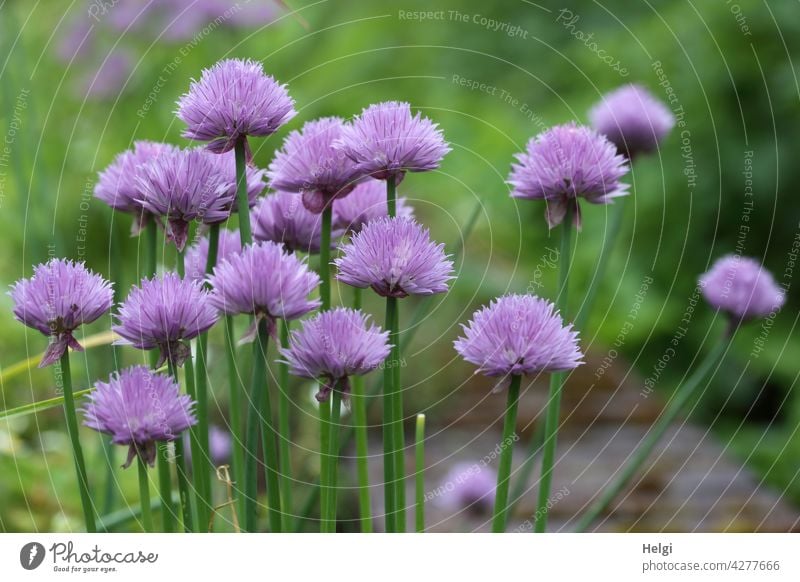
x,y
81,81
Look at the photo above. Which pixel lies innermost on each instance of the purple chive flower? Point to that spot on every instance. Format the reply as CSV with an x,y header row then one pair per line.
x,y
565,163
117,185
519,334
61,296
632,119
183,186
234,99
366,202
196,255
741,287
309,165
386,140
282,218
266,281
219,446
164,312
139,407
469,486
396,257
335,345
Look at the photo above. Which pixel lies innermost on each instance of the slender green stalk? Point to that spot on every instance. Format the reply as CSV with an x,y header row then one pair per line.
x,y
144,495
324,462
525,470
242,203
359,404
419,475
180,466
77,451
325,258
235,411
333,458
391,195
390,487
201,464
612,233
654,435
268,432
165,488
397,426
500,516
110,484
556,383
251,453
284,429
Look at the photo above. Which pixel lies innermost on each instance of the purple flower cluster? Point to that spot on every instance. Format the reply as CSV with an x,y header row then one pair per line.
x,y
396,257
365,203
266,281
234,99
309,165
469,486
517,335
254,177
334,345
632,119
164,312
197,255
566,163
61,296
139,407
117,185
387,140
283,218
741,287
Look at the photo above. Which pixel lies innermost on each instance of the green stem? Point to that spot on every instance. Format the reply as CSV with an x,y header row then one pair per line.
x,y
268,432
388,432
391,195
77,451
180,466
359,404
251,450
144,495
525,470
419,475
556,383
333,458
284,428
235,405
324,461
500,517
151,234
201,464
325,258
612,233
397,426
165,487
654,435
242,202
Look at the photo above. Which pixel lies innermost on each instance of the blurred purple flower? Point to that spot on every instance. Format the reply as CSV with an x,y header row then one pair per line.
x,y
386,140
519,334
164,313
265,281
234,99
61,296
117,185
219,446
366,202
632,119
741,287
396,257
309,165
468,486
282,218
139,407
565,163
182,186
334,345
196,255
110,75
